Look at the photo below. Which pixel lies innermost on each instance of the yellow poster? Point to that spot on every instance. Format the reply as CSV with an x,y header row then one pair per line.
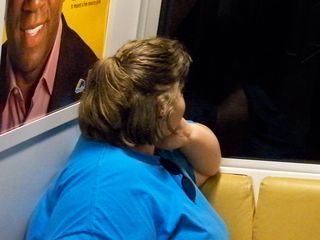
x,y
48,48
89,19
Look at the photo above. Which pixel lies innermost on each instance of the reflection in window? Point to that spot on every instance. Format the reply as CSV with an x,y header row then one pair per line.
x,y
255,76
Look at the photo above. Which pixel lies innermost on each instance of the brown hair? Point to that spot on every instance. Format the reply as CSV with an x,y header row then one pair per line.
x,y
120,104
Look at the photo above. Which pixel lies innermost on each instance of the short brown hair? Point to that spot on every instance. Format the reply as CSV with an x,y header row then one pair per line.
x,y
120,102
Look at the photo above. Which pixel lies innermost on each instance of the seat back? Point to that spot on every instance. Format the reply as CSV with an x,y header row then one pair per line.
x,y
232,196
287,209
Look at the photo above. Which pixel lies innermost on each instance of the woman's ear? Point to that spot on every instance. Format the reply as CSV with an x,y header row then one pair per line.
x,y
161,106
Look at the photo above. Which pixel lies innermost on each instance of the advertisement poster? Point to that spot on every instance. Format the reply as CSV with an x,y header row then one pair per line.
x,y
47,49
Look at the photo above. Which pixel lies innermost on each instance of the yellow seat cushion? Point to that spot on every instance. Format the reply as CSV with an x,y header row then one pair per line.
x,y
232,196
288,209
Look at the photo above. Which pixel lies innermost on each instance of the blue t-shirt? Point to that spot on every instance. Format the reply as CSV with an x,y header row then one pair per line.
x,y
106,192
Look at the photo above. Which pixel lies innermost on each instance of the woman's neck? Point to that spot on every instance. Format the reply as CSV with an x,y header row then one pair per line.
x,y
147,149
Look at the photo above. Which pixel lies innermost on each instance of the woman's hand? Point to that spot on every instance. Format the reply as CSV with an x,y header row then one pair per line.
x,y
178,138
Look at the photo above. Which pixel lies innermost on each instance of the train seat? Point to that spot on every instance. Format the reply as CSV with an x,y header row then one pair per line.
x,y
233,198
287,208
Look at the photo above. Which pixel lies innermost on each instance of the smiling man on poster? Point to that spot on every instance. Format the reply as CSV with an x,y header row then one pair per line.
x,y
43,62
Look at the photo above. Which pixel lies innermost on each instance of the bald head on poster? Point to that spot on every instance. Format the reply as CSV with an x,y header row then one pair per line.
x,y
43,62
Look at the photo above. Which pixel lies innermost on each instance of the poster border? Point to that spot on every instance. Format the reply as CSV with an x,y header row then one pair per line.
x,y
38,126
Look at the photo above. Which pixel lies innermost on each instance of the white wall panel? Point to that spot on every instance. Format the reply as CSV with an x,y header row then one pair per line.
x,y
25,170
129,20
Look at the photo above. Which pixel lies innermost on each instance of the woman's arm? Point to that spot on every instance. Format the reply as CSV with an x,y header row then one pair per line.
x,y
202,150
199,145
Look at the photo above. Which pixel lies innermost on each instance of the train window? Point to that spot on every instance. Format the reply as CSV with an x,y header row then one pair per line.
x,y
255,77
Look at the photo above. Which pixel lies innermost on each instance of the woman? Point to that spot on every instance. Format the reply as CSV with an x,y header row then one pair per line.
x,y
122,180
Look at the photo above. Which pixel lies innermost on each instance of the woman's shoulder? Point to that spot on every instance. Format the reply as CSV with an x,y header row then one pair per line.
x,y
99,160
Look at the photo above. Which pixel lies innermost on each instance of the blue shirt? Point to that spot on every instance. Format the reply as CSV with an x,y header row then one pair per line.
x,y
106,192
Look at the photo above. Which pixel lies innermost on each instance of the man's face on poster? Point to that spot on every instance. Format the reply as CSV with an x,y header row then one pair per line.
x,y
31,30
